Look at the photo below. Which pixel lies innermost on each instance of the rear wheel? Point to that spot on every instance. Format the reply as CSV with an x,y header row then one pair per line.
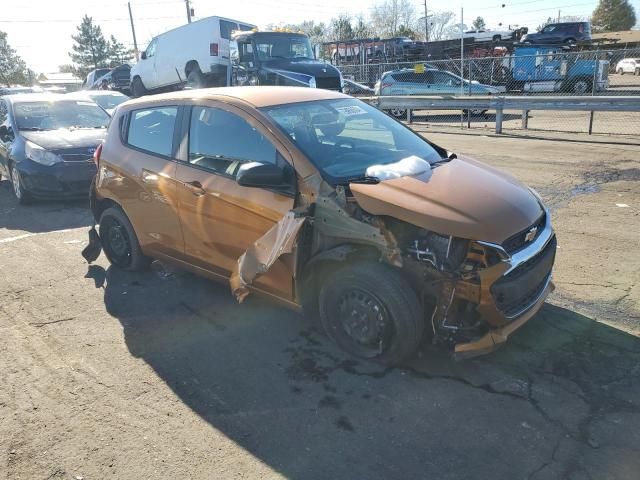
x,y
195,79
581,86
137,88
372,312
20,193
620,71
120,242
497,38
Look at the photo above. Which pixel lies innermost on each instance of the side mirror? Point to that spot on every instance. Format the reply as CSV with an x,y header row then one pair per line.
x,y
5,133
143,56
256,174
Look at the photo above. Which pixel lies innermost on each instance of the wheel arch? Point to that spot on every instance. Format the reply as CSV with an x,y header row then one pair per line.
x,y
190,66
317,268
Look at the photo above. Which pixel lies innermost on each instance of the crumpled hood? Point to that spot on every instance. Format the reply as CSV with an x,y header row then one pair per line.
x,y
64,139
464,198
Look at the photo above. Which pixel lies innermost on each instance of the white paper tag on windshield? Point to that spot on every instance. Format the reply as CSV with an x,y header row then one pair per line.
x,y
86,104
351,110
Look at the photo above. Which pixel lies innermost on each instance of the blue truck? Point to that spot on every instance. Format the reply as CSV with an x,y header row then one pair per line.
x,y
546,68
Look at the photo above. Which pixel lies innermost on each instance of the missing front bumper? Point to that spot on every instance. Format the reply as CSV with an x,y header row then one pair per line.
x,y
495,338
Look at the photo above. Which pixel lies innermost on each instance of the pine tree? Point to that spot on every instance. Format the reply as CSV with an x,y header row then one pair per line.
x,y
118,53
90,50
13,70
613,16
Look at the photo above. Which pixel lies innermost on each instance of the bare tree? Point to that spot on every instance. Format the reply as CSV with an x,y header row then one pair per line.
x,y
442,26
388,15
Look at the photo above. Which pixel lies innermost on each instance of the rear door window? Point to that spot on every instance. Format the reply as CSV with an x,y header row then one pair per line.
x,y
226,28
152,130
220,141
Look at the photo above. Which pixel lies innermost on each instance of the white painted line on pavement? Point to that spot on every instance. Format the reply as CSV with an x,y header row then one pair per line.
x,y
27,235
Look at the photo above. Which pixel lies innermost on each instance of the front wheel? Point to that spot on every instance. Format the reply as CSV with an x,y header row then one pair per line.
x,y
20,193
120,242
137,88
620,71
372,312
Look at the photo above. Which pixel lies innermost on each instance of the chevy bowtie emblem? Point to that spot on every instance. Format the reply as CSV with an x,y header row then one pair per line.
x,y
531,234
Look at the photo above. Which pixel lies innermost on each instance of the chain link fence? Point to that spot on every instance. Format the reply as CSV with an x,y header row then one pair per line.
x,y
528,70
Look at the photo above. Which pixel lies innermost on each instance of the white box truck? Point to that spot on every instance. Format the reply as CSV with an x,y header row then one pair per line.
x,y
196,54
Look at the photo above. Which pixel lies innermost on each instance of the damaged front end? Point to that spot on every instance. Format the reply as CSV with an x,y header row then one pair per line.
x,y
474,294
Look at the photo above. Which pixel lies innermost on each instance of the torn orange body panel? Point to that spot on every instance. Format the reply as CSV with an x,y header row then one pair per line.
x,y
257,260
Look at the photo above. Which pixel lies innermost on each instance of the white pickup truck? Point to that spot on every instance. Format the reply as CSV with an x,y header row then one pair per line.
x,y
489,35
196,54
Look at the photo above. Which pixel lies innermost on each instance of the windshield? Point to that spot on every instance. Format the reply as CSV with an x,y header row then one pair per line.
x,y
283,46
109,101
344,137
59,114
102,72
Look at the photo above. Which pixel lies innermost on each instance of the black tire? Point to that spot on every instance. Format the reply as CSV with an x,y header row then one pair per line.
x,y
22,195
620,71
195,79
570,41
378,306
497,38
137,88
582,86
119,241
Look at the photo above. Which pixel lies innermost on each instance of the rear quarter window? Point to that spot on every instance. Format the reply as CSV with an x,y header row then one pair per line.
x,y
151,130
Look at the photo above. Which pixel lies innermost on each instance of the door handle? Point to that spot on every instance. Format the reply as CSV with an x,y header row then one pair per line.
x,y
196,188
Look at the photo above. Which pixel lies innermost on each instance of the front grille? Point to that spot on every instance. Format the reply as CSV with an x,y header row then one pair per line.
x,y
518,241
329,83
76,157
520,288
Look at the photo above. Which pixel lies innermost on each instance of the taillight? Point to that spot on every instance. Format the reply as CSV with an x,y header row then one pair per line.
x,y
96,155
581,29
213,49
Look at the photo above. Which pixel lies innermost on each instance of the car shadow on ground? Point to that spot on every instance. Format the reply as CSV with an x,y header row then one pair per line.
x,y
561,400
41,215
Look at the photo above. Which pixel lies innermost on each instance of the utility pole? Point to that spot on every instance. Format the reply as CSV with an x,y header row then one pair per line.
x,y
461,49
188,11
558,16
133,31
426,22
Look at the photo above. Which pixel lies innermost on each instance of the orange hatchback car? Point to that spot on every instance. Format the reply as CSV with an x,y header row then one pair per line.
x,y
325,203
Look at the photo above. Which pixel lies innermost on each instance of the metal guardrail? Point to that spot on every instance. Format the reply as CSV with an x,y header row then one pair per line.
x,y
501,103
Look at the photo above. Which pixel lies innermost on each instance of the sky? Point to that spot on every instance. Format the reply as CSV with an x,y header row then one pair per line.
x,y
40,30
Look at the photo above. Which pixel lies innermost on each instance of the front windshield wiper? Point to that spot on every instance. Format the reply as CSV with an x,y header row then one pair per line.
x,y
33,129
360,179
446,159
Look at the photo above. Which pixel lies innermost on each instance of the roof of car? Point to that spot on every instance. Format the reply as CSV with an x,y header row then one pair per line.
x,y
36,97
258,96
90,93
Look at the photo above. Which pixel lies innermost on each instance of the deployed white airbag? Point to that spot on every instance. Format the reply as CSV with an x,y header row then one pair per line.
x,y
409,166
